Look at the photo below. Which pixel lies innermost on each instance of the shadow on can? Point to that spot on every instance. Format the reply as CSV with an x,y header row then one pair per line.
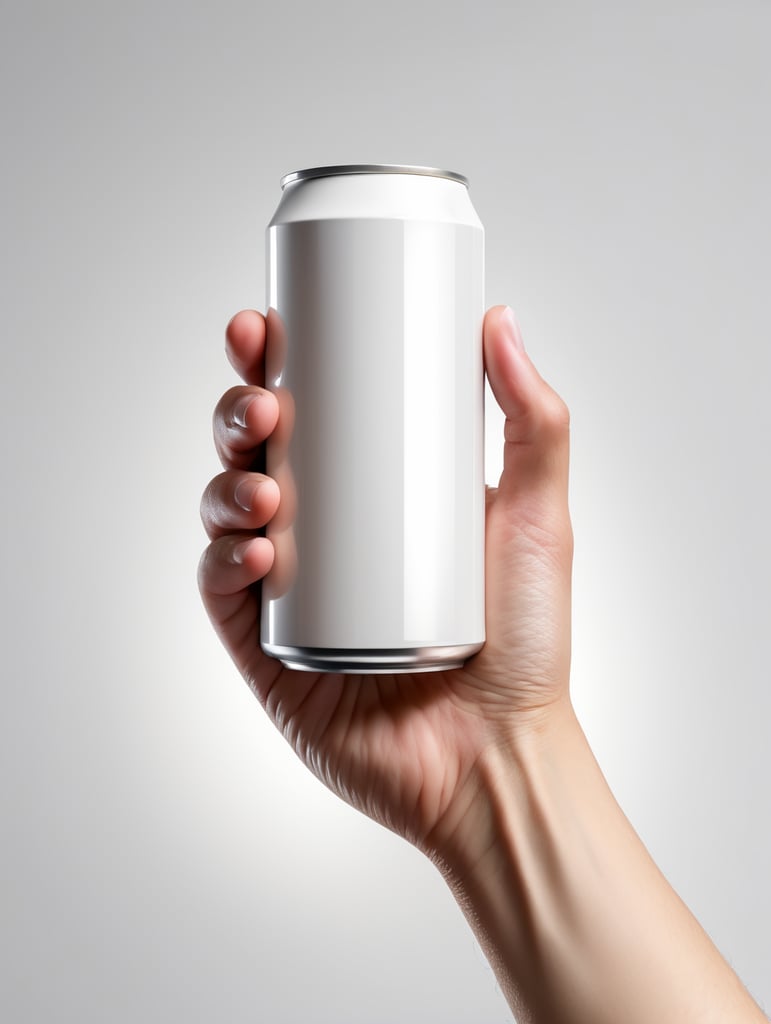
x,y
280,530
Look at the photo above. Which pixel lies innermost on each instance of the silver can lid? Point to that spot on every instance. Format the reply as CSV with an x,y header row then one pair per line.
x,y
327,172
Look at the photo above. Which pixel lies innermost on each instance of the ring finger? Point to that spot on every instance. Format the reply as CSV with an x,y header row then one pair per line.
x,y
237,500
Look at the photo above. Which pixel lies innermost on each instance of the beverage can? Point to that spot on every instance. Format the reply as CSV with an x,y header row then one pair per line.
x,y
374,351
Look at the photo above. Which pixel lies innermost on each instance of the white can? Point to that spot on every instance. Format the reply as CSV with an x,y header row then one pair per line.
x,y
375,289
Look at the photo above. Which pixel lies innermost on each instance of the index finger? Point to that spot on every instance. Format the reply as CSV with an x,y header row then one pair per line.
x,y
245,345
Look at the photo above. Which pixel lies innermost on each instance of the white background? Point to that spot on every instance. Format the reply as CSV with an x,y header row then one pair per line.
x,y
163,855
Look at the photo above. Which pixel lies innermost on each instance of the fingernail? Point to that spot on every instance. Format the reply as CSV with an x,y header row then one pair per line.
x,y
513,329
246,494
239,412
240,549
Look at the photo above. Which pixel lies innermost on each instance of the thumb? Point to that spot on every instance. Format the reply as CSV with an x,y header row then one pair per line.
x,y
537,427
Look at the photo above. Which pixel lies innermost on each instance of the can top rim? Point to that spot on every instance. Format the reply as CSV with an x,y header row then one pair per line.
x,y
339,169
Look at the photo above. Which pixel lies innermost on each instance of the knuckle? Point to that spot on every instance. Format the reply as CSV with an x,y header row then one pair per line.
x,y
212,503
205,505
567,540
556,415
209,491
205,568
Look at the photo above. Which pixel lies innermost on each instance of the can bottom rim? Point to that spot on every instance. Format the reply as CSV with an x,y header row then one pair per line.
x,y
372,661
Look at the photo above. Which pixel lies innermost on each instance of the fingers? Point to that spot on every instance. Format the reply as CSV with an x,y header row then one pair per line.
x,y
227,571
230,565
245,415
537,428
245,346
243,419
238,501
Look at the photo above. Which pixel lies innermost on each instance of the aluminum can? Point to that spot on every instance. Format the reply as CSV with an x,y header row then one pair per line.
x,y
374,351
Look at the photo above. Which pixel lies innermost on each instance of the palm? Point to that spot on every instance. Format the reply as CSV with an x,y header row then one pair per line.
x,y
393,745
398,746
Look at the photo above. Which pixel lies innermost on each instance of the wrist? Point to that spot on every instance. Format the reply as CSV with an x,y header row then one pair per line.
x,y
498,795
499,848
570,910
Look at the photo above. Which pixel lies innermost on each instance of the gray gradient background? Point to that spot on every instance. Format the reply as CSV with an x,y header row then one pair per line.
x,y
164,857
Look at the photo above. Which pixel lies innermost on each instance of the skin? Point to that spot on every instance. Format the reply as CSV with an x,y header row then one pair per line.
x,y
484,768
401,747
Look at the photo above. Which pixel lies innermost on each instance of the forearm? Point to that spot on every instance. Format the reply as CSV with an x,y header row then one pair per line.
x,y
576,919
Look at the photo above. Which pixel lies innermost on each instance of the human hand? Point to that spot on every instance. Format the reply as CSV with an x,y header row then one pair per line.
x,y
404,748
485,767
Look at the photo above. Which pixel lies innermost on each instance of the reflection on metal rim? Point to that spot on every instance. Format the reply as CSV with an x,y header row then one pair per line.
x,y
339,169
410,659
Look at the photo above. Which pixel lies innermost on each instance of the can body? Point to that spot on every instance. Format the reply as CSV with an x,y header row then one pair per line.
x,y
374,351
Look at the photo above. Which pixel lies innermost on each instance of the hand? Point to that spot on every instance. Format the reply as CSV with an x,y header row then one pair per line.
x,y
485,768
403,748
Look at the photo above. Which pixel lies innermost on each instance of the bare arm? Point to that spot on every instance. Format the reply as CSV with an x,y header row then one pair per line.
x,y
573,914
484,768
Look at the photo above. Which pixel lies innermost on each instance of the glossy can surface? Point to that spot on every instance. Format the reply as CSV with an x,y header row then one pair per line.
x,y
375,289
